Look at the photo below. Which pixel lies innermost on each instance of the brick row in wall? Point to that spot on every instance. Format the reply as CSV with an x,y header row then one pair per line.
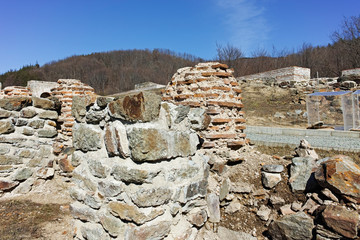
x,y
213,87
67,89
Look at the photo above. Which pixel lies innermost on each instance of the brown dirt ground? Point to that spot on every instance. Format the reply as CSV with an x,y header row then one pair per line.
x,y
41,214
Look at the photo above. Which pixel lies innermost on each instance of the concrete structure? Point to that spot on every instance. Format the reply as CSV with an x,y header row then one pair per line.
x,y
281,75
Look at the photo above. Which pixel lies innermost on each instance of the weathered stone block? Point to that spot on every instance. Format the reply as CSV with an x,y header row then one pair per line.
x,y
28,112
151,144
341,220
5,114
22,174
53,115
113,225
79,105
10,160
134,214
291,227
116,140
143,107
44,103
6,127
341,175
151,197
198,118
109,188
135,175
86,137
102,102
15,103
6,185
98,169
157,230
36,123
47,133
83,212
93,231
301,171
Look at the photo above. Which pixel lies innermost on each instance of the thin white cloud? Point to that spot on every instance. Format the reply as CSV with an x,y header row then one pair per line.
x,y
245,21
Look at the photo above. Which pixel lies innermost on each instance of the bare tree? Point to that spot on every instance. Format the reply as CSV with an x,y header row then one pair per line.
x,y
349,37
228,54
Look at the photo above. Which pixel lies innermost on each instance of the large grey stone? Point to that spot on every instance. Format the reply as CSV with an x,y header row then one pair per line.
x,y
5,114
36,123
132,213
213,205
10,160
296,226
44,103
47,133
28,112
6,127
79,105
86,137
98,169
113,225
301,174
93,231
270,180
158,230
151,144
83,212
116,141
95,116
15,103
102,102
22,174
272,168
133,174
151,197
198,118
109,188
142,106
53,115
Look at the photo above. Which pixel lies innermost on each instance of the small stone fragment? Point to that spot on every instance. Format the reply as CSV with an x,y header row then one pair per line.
x,y
270,180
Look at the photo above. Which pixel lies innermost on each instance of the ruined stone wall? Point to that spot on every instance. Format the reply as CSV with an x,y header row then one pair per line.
x,y
212,88
15,91
355,71
137,170
65,92
27,132
281,75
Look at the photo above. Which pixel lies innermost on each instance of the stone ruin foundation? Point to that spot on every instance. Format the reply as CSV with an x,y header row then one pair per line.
x,y
140,162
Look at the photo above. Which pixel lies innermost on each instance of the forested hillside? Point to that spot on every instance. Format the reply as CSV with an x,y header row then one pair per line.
x,y
117,71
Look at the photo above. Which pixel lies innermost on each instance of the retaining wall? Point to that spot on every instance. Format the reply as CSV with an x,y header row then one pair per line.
x,y
322,139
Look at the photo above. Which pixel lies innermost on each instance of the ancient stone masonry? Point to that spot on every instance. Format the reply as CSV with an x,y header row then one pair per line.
x,y
211,88
27,132
65,92
15,91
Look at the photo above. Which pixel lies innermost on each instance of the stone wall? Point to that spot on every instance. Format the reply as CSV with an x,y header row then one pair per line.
x,y
65,92
27,132
145,164
41,88
287,74
355,71
210,88
137,170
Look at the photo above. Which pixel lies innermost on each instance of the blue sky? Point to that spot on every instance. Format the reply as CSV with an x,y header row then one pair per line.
x,y
40,31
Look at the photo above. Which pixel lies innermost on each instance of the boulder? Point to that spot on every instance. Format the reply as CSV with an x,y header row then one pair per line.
x,y
152,144
142,106
341,175
296,226
341,220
